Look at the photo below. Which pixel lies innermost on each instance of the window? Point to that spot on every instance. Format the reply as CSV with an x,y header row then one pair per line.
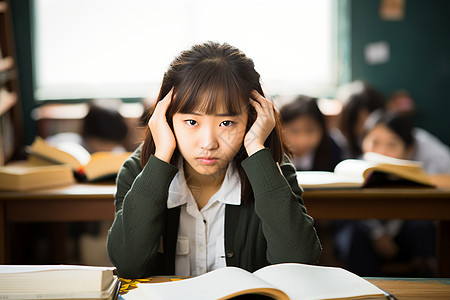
x,y
111,48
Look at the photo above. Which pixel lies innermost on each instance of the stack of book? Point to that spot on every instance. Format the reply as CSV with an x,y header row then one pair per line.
x,y
24,175
57,282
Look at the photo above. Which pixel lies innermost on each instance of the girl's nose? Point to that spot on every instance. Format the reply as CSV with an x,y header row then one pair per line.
x,y
209,139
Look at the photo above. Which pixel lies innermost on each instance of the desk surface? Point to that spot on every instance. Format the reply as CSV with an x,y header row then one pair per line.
x,y
414,289
87,202
380,203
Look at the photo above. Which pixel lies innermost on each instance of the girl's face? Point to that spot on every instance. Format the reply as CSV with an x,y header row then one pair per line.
x,y
209,142
303,135
384,141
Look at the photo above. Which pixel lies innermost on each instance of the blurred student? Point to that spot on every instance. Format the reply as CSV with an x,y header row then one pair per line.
x,y
365,245
392,134
312,149
307,136
103,128
427,147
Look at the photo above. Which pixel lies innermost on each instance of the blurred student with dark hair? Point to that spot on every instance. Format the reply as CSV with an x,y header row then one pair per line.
x,y
365,245
306,134
313,149
392,134
103,128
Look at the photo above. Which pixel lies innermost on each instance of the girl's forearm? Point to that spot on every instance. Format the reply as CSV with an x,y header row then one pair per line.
x,y
289,231
133,240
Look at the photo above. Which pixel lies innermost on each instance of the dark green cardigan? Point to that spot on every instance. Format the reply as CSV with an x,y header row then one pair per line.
x,y
275,229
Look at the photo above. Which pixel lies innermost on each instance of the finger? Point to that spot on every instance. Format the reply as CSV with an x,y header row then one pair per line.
x,y
258,107
260,98
163,105
264,102
257,96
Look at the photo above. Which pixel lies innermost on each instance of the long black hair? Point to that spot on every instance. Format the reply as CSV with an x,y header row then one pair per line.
x,y
365,98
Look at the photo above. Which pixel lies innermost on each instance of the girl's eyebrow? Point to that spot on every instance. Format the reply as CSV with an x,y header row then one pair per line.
x,y
217,115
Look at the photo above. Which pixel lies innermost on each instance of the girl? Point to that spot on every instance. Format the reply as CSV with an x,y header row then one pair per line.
x,y
307,136
210,186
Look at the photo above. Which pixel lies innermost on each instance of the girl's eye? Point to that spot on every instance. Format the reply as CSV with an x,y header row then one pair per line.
x,y
226,123
191,122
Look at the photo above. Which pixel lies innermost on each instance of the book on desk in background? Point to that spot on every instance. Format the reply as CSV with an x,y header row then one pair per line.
x,y
57,282
25,175
91,167
373,170
282,281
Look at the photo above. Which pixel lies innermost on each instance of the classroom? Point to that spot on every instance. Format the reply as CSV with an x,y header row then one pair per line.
x,y
333,110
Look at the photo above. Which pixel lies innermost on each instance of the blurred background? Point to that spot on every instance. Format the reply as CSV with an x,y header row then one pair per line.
x,y
70,51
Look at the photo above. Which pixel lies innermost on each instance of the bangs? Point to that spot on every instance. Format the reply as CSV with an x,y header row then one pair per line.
x,y
211,89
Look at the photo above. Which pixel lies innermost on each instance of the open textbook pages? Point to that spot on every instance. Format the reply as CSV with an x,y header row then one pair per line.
x,y
282,281
373,169
91,167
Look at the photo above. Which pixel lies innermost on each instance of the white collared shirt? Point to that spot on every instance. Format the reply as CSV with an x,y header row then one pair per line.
x,y
201,233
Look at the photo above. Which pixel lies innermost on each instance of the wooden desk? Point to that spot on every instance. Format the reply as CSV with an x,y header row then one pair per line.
x,y
414,289
79,202
95,202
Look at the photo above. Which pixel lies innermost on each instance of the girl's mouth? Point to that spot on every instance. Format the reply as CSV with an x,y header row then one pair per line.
x,y
207,160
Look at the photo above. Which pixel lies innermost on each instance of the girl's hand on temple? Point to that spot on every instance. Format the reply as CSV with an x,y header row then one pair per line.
x,y
163,136
264,124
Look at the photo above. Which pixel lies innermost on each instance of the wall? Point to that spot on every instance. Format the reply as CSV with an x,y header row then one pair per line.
x,y
419,56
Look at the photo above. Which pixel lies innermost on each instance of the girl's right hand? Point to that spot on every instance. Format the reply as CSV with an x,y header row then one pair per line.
x,y
163,136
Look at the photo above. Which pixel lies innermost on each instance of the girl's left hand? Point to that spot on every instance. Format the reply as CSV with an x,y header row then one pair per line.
x,y
264,124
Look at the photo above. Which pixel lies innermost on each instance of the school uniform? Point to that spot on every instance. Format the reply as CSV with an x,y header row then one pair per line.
x,y
275,229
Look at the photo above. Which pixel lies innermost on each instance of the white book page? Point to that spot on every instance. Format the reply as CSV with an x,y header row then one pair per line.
x,y
138,294
352,168
382,159
76,150
11,269
322,178
313,282
213,285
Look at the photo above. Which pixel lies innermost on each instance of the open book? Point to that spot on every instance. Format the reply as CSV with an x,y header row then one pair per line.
x,y
57,282
282,281
24,175
87,166
374,169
